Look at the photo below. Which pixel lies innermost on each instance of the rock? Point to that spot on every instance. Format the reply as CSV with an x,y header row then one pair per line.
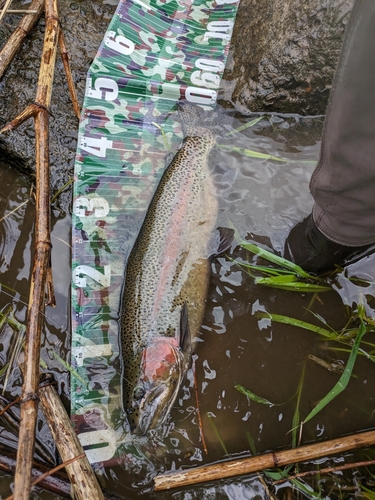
x,y
283,55
84,23
282,59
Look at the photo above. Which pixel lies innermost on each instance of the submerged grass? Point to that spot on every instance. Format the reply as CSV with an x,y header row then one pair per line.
x,y
349,335
252,396
211,417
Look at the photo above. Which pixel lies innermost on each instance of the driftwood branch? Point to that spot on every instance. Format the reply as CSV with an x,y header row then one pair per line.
x,y
83,480
57,483
68,73
5,9
18,36
29,403
261,462
80,473
40,112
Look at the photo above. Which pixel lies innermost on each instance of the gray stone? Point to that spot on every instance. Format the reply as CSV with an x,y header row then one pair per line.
x,y
84,23
283,55
282,59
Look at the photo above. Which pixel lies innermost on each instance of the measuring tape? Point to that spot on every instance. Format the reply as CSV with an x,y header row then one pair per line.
x,y
154,54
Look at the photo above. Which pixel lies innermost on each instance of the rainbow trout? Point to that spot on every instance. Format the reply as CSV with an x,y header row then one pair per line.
x,y
167,276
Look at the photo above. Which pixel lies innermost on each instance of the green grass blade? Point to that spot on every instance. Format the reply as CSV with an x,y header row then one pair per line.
x,y
344,379
290,283
250,440
279,318
253,396
165,139
279,474
262,269
211,420
296,415
70,369
253,154
305,488
65,186
245,126
275,259
369,494
4,369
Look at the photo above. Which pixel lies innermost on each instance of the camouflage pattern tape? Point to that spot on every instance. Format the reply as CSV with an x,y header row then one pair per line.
x,y
154,54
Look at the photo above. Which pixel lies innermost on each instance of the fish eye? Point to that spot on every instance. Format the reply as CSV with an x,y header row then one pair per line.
x,y
138,393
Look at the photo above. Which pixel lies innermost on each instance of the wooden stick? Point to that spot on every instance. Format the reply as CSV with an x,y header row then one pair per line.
x,y
6,7
80,473
68,73
199,415
20,11
49,473
58,483
327,470
18,36
261,462
40,448
29,403
30,111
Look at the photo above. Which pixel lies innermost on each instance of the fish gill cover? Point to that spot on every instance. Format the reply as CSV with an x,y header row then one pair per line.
x,y
154,54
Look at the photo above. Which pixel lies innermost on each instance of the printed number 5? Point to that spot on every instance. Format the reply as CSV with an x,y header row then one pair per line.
x,y
103,278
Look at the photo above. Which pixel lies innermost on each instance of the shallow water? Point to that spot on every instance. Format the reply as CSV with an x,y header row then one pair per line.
x,y
262,198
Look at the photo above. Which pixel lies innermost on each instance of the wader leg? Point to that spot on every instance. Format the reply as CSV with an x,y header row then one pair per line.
x,y
343,183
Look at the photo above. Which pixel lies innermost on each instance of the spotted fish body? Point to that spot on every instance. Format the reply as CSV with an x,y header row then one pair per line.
x,y
167,279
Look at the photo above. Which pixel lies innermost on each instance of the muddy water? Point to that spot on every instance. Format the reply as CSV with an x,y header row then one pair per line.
x,y
262,198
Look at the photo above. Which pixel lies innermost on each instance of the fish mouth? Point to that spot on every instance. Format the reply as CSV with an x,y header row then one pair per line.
x,y
155,407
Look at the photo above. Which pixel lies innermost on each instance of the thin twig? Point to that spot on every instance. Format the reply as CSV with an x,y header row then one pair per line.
x,y
199,409
50,472
68,73
6,7
14,210
20,11
9,405
327,470
18,36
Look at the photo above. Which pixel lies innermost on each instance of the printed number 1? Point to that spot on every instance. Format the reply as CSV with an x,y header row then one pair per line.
x,y
103,278
86,206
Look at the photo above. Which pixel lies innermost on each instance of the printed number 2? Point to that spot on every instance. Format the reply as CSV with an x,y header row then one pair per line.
x,y
103,278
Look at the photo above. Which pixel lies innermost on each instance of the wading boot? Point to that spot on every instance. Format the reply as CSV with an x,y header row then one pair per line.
x,y
315,253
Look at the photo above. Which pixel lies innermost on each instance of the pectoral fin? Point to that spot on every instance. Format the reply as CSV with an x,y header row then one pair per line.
x,y
184,339
221,241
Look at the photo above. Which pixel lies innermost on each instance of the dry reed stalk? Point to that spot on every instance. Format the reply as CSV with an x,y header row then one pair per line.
x,y
327,470
82,477
18,36
58,483
260,462
68,73
5,9
80,473
29,402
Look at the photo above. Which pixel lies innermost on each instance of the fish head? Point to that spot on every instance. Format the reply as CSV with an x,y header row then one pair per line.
x,y
163,367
